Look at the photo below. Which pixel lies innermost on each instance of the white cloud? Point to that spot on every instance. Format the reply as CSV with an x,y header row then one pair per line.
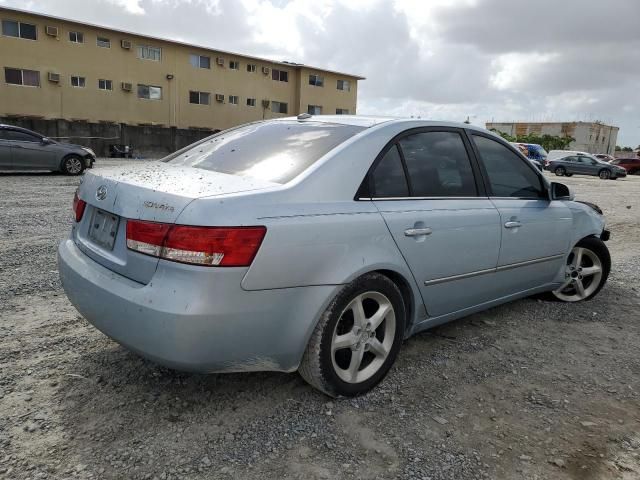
x,y
130,6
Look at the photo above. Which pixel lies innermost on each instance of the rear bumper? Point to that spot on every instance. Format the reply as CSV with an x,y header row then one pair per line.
x,y
195,319
605,235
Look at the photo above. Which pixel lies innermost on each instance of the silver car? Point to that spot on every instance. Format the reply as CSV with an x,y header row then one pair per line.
x,y
585,164
319,244
22,149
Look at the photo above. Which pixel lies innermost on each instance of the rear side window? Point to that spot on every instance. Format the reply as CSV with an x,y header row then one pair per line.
x,y
388,177
438,165
271,151
508,174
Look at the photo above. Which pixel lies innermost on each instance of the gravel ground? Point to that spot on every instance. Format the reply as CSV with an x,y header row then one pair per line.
x,y
527,390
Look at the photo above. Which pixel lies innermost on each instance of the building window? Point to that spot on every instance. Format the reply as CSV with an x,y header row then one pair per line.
x,y
233,99
78,81
251,102
234,65
314,109
146,52
19,29
251,67
105,84
199,98
200,61
16,76
278,107
103,42
280,75
76,37
149,92
344,85
342,111
316,80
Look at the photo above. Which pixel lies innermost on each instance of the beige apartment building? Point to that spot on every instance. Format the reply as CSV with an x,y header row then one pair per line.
x,y
55,68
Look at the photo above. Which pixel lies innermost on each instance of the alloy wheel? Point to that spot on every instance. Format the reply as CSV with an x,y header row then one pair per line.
x,y
583,275
363,337
604,174
559,171
73,165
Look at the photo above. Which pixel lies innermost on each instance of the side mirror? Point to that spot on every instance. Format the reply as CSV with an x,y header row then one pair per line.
x,y
45,141
559,191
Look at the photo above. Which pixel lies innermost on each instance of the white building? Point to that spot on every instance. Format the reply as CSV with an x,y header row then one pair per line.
x,y
592,137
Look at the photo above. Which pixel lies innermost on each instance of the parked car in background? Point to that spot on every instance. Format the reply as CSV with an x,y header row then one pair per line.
x,y
320,243
534,152
22,149
585,164
631,165
605,157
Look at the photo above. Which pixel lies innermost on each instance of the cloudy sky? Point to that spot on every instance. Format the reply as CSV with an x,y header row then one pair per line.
x,y
500,60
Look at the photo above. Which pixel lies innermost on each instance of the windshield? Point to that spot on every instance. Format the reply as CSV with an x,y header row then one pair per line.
x,y
270,151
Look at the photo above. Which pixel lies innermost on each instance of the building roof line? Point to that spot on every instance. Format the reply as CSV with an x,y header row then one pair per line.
x,y
293,65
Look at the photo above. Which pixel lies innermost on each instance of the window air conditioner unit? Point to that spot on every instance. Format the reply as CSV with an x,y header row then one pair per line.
x,y
126,86
266,103
126,44
53,77
266,70
219,97
220,61
51,31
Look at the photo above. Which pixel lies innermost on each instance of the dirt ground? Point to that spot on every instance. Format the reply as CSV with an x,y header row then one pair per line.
x,y
532,389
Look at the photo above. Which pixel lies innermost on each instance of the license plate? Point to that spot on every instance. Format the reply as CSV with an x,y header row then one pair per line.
x,y
103,229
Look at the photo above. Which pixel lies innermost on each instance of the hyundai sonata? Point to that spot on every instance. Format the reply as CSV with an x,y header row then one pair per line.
x,y
319,244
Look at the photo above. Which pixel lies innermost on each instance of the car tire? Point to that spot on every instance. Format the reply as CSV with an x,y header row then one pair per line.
x,y
72,165
347,355
560,171
588,267
634,172
604,174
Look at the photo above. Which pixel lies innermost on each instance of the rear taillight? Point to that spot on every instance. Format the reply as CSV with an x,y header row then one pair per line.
x,y
209,246
78,206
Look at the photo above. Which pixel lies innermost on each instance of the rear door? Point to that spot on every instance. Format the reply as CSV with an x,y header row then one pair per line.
x,y
426,188
5,151
28,151
535,231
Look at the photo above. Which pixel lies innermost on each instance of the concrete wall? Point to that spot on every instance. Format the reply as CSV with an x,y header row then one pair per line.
x,y
173,73
147,141
591,137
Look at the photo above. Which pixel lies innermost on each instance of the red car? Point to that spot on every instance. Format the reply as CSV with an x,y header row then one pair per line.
x,y
631,165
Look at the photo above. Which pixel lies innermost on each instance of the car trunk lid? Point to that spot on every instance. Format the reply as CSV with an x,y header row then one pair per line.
x,y
156,192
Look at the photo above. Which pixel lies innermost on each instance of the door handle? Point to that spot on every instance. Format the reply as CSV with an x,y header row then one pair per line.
x,y
512,224
416,232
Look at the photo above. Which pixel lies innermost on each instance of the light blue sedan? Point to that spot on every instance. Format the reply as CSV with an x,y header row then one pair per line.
x,y
320,243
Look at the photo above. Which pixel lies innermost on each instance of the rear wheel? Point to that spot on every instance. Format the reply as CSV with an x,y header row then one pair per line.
x,y
604,174
587,269
357,339
73,165
560,171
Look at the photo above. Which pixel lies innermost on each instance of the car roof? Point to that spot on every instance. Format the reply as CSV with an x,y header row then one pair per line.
x,y
373,120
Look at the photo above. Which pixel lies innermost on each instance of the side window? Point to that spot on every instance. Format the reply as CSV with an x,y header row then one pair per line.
x,y
508,174
20,136
438,165
388,178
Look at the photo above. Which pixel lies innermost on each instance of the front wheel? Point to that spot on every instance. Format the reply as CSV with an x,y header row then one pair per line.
x,y
357,338
587,269
560,171
604,174
73,165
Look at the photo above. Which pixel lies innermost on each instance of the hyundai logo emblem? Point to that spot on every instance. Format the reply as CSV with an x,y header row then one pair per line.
x,y
101,193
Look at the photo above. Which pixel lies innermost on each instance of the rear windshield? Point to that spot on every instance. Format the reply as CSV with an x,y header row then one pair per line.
x,y
271,151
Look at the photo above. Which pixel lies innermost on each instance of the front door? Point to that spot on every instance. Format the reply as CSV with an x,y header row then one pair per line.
x,y
535,230
29,152
427,190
